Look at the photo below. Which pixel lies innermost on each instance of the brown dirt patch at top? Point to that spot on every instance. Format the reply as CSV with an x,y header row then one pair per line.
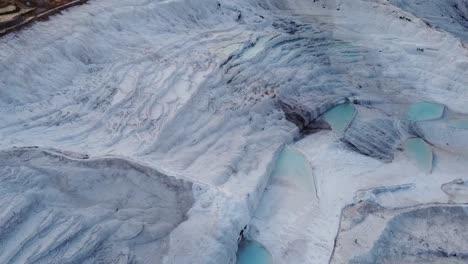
x,y
27,11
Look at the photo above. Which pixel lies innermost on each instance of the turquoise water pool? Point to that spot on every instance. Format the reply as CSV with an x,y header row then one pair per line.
x,y
295,169
252,252
424,111
340,117
419,151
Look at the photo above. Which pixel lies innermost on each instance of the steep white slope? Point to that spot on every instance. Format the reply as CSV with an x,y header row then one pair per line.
x,y
193,88
145,80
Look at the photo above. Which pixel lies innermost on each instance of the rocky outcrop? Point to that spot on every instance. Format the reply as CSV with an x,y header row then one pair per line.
x,y
430,233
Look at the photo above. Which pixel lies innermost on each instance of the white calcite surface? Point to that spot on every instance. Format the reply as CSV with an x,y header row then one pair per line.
x,y
151,131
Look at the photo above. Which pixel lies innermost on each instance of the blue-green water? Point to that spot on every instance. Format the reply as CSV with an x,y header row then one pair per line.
x,y
419,151
340,117
458,123
252,252
424,111
292,166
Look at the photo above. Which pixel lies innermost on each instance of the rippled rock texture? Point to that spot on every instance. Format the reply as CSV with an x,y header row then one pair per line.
x,y
61,209
159,124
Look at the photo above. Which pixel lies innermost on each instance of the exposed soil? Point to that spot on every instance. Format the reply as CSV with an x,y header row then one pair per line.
x,y
14,14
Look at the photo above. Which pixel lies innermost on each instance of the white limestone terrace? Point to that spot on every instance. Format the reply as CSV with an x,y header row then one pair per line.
x,y
179,102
